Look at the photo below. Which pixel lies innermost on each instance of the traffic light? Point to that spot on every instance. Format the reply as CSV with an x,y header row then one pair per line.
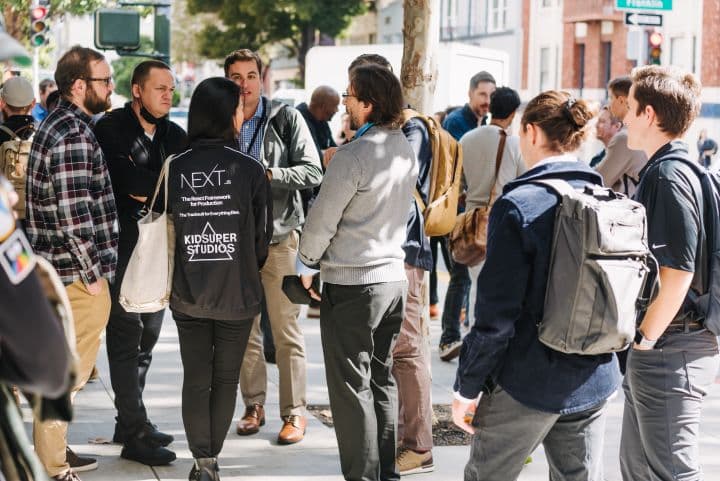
x,y
655,40
39,25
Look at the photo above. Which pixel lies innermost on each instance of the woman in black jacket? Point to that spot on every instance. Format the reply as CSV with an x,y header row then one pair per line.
x,y
219,200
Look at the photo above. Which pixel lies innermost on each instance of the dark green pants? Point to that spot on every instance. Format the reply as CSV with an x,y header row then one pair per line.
x,y
359,325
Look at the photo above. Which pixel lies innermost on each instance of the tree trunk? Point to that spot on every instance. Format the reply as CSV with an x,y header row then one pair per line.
x,y
306,43
13,22
421,33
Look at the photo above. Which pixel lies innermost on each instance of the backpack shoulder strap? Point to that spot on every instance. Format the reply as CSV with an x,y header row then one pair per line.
x,y
13,135
280,123
561,187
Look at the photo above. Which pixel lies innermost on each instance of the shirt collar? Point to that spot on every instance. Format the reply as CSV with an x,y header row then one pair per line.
x,y
363,129
66,104
556,158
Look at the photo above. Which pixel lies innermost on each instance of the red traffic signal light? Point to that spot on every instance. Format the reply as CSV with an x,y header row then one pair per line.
x,y
655,40
38,26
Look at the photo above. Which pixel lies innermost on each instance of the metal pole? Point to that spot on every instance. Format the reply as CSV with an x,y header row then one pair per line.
x,y
36,71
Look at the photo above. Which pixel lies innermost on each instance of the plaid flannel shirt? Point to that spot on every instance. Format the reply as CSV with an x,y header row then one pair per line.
x,y
71,215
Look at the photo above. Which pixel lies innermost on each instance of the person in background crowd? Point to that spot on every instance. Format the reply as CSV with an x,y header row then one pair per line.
x,y
532,394
707,148
136,139
291,162
355,233
458,123
674,360
440,117
46,87
16,102
346,132
480,149
72,222
621,166
605,129
215,298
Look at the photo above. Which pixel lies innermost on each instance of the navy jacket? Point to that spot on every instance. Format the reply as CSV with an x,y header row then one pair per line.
x,y
460,121
417,244
503,345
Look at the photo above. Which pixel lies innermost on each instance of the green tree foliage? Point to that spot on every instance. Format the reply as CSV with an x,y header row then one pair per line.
x,y
17,18
124,66
257,23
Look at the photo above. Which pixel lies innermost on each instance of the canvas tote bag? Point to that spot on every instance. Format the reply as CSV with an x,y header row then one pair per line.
x,y
148,279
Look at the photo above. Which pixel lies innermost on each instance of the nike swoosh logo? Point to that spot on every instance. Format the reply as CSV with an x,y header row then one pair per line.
x,y
657,246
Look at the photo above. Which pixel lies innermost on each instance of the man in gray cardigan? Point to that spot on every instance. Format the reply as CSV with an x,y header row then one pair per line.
x,y
355,232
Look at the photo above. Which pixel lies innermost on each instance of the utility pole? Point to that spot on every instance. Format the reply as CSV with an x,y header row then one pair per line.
x,y
421,34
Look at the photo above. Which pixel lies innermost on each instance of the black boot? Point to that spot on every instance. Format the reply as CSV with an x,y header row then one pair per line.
x,y
204,469
144,449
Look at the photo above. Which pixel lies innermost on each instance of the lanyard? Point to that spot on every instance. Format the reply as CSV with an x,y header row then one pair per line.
x,y
257,130
363,129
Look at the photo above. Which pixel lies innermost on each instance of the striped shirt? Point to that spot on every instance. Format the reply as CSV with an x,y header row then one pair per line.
x,y
71,214
248,129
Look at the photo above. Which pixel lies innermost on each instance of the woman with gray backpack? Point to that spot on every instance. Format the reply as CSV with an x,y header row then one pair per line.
x,y
534,390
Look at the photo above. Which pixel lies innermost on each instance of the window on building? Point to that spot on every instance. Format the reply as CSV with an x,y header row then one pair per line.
x,y
388,20
498,15
606,65
679,49
548,3
545,69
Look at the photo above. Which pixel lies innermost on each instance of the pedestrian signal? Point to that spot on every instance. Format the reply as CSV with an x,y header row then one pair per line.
x,y
39,26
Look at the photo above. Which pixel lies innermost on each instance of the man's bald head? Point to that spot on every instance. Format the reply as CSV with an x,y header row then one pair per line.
x,y
324,103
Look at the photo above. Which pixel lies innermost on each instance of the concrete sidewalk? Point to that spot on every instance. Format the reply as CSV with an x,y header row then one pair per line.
x,y
316,458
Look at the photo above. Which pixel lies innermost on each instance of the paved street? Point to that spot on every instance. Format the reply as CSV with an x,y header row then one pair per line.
x,y
259,457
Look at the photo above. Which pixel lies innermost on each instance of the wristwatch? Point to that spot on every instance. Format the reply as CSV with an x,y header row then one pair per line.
x,y
643,341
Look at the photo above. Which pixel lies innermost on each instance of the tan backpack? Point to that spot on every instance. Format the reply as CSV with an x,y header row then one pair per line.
x,y
14,154
445,178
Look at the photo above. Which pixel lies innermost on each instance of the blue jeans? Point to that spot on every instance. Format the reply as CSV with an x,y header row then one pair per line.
x,y
455,300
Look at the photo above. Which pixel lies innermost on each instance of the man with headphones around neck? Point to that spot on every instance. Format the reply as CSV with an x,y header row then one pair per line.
x,y
136,139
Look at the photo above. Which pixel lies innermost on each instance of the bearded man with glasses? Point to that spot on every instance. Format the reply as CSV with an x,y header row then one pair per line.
x,y
72,222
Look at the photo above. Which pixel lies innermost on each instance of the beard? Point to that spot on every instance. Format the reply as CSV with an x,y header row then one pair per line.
x,y
94,103
354,121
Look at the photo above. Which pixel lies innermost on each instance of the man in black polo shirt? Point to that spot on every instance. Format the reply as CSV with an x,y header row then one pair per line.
x,y
136,139
674,359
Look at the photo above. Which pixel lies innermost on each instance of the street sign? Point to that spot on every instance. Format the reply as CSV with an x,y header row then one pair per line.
x,y
643,19
643,4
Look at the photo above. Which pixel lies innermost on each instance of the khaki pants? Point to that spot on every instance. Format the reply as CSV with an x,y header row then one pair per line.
x,y
289,340
411,369
90,315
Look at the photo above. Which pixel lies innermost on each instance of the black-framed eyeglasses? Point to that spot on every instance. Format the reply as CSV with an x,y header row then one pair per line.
x,y
106,80
346,95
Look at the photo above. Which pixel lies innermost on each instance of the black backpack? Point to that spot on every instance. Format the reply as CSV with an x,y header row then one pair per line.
x,y
708,303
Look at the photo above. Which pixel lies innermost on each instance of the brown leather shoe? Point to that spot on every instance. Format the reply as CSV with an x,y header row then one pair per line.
x,y
293,429
251,421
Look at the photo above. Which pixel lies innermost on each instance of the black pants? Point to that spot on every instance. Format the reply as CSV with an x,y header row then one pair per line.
x,y
211,352
130,339
436,242
359,326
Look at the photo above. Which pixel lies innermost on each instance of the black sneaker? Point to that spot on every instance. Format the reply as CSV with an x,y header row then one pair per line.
x,y
149,429
79,463
146,451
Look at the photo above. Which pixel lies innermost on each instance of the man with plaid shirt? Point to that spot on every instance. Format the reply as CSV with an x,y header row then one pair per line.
x,y
72,222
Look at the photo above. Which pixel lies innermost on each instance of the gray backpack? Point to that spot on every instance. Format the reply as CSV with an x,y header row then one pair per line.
x,y
602,274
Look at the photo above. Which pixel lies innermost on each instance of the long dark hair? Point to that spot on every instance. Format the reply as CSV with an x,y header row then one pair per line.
x,y
212,108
